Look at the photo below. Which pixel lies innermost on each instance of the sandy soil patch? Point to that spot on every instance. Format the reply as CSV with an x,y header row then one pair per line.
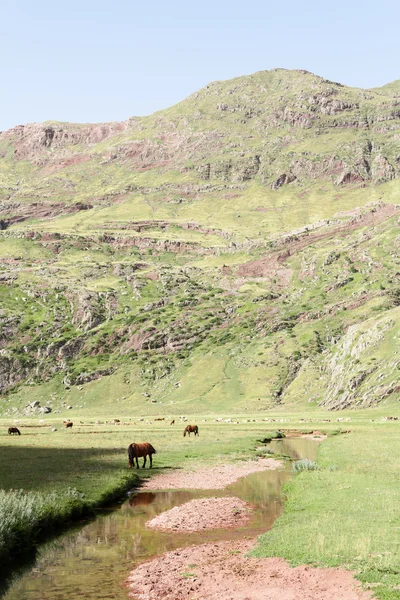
x,y
210,478
220,571
204,513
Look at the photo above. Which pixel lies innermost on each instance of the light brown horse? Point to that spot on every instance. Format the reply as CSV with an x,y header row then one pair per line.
x,y
191,429
12,430
136,451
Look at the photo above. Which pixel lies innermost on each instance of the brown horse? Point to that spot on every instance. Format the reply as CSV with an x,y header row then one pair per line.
x,y
12,430
68,424
172,422
191,429
136,451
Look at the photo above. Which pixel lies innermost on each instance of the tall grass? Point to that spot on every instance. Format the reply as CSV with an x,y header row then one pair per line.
x,y
24,514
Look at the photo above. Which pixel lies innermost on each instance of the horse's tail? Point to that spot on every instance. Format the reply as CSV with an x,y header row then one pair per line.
x,y
184,433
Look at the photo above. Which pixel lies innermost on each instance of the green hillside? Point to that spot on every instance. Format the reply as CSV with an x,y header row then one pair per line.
x,y
235,252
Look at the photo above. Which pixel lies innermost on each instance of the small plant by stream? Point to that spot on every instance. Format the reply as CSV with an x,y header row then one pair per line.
x,y
304,465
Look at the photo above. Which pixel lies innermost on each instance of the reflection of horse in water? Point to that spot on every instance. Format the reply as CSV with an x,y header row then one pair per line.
x,y
191,429
136,451
12,430
143,498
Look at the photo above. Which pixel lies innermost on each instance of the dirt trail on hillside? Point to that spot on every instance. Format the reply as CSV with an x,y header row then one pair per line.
x,y
221,571
273,263
209,478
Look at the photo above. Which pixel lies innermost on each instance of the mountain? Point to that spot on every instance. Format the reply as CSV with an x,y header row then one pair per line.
x,y
237,251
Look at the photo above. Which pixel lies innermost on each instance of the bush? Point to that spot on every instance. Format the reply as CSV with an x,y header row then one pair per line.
x,y
304,465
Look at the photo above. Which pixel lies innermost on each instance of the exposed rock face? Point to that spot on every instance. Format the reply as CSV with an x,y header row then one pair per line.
x,y
33,139
91,309
12,372
283,179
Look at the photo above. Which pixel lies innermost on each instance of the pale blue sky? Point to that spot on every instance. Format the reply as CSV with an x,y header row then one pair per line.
x,y
91,60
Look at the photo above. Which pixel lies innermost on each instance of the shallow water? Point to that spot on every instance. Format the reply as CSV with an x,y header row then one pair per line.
x,y
93,562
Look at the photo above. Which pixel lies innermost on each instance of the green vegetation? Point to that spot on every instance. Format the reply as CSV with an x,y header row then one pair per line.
x,y
304,465
348,516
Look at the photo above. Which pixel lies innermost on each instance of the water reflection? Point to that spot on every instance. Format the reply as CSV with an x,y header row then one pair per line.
x,y
92,562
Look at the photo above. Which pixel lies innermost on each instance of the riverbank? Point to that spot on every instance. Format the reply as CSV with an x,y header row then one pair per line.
x,y
224,571
209,478
348,512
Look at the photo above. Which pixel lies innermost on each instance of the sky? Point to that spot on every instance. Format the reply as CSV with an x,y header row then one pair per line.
x,y
95,61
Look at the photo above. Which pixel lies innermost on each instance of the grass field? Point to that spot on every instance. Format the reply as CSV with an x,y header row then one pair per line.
x,y
346,513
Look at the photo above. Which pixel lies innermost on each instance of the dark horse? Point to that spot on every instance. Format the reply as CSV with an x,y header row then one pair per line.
x,y
191,429
13,430
69,424
136,451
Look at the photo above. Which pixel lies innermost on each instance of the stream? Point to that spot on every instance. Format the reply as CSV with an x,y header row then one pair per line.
x,y
94,559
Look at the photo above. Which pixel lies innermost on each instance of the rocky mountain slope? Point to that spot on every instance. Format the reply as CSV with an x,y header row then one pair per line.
x,y
237,251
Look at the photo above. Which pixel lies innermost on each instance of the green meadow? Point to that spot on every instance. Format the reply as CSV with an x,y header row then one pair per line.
x,y
344,513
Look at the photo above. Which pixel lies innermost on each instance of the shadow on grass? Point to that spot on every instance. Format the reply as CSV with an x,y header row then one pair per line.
x,y
37,468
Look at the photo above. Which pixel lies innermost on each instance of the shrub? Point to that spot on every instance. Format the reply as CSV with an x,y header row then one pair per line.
x,y
304,465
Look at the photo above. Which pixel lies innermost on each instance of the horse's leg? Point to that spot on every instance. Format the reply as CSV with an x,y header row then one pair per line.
x,y
151,460
144,461
137,462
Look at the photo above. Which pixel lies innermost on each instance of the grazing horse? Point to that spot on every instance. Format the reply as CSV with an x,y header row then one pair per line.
x,y
136,451
68,424
12,430
191,429
172,422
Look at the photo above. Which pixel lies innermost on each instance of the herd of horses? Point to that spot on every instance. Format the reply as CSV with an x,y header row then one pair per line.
x,y
135,451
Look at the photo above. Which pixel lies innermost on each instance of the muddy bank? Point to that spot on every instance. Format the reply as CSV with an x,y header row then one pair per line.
x,y
205,513
209,478
221,571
